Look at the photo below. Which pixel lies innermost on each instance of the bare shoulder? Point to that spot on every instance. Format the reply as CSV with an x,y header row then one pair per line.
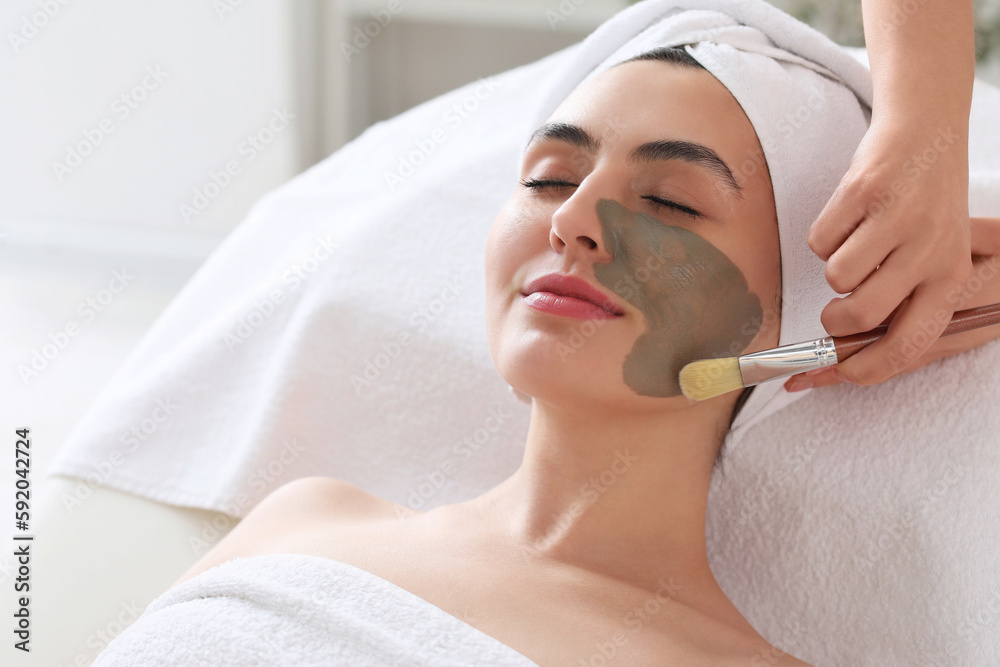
x,y
325,498
306,501
300,505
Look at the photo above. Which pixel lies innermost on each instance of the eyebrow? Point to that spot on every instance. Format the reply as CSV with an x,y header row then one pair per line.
x,y
652,151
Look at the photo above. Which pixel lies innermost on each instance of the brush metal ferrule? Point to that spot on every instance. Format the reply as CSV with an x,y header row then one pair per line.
x,y
780,362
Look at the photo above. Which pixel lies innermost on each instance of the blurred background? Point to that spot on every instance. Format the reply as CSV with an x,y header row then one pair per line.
x,y
137,135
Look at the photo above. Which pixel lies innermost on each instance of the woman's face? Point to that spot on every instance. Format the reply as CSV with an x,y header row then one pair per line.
x,y
643,237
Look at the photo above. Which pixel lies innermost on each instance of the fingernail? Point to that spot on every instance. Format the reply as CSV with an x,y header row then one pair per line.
x,y
840,376
816,371
799,386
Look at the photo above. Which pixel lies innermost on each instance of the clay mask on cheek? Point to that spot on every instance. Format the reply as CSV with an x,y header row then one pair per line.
x,y
695,300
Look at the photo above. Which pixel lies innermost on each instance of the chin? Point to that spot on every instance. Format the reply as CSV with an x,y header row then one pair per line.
x,y
542,365
545,367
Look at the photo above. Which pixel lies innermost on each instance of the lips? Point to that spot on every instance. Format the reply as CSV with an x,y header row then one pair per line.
x,y
568,296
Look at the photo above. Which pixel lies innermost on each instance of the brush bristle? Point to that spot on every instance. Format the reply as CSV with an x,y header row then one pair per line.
x,y
708,378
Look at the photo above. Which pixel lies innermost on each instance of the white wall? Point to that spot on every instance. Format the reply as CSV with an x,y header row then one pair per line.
x,y
225,65
219,78
393,54
117,114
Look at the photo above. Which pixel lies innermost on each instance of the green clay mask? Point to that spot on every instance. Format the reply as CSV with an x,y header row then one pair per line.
x,y
695,300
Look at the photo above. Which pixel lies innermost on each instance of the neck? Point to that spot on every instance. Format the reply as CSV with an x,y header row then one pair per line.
x,y
620,495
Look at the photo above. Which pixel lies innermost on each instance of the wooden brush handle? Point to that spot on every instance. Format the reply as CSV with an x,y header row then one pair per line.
x,y
963,320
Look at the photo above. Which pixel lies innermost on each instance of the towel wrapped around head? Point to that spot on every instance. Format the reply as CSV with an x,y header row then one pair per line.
x,y
809,103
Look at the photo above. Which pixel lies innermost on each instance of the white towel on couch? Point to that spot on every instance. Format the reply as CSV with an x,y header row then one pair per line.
x,y
340,331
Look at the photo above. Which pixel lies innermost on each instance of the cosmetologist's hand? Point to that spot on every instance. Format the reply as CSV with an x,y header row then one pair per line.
x,y
982,288
896,232
896,227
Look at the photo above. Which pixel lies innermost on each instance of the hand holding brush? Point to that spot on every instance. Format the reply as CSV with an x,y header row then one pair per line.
x,y
708,378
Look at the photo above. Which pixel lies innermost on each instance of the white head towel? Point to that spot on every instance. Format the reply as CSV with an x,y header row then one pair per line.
x,y
809,102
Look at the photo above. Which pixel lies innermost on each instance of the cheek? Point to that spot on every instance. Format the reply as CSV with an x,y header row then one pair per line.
x,y
696,301
512,242
518,234
500,246
761,262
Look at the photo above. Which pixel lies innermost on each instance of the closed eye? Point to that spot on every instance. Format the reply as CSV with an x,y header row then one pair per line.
x,y
657,202
539,183
660,202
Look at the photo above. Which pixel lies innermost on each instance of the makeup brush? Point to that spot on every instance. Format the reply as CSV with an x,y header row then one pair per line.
x,y
707,378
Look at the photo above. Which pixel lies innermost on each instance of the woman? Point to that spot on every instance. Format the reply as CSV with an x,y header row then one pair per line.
x,y
631,230
556,540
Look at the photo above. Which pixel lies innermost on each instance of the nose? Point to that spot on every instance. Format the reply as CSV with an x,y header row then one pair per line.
x,y
576,228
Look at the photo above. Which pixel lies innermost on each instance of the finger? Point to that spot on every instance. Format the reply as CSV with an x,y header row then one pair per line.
x,y
911,333
874,300
894,312
827,378
982,287
985,233
823,377
838,220
858,256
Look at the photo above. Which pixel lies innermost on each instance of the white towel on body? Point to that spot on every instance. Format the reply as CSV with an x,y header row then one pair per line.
x,y
296,609
340,331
